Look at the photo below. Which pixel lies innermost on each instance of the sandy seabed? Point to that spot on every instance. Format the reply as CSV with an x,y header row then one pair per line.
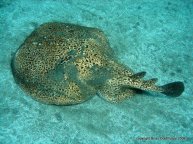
x,y
153,36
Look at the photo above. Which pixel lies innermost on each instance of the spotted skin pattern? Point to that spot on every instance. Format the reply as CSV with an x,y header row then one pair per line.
x,y
65,64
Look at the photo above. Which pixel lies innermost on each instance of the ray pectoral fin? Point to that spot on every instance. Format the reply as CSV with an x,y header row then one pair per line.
x,y
173,89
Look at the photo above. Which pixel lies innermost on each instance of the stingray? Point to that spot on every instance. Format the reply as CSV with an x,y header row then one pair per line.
x,y
65,64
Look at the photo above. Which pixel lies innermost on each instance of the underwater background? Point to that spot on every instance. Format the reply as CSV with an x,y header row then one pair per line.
x,y
155,36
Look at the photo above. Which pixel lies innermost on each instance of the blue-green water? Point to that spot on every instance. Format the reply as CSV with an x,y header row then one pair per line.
x,y
153,36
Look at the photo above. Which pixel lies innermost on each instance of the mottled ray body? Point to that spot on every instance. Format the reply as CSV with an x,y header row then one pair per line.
x,y
66,64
